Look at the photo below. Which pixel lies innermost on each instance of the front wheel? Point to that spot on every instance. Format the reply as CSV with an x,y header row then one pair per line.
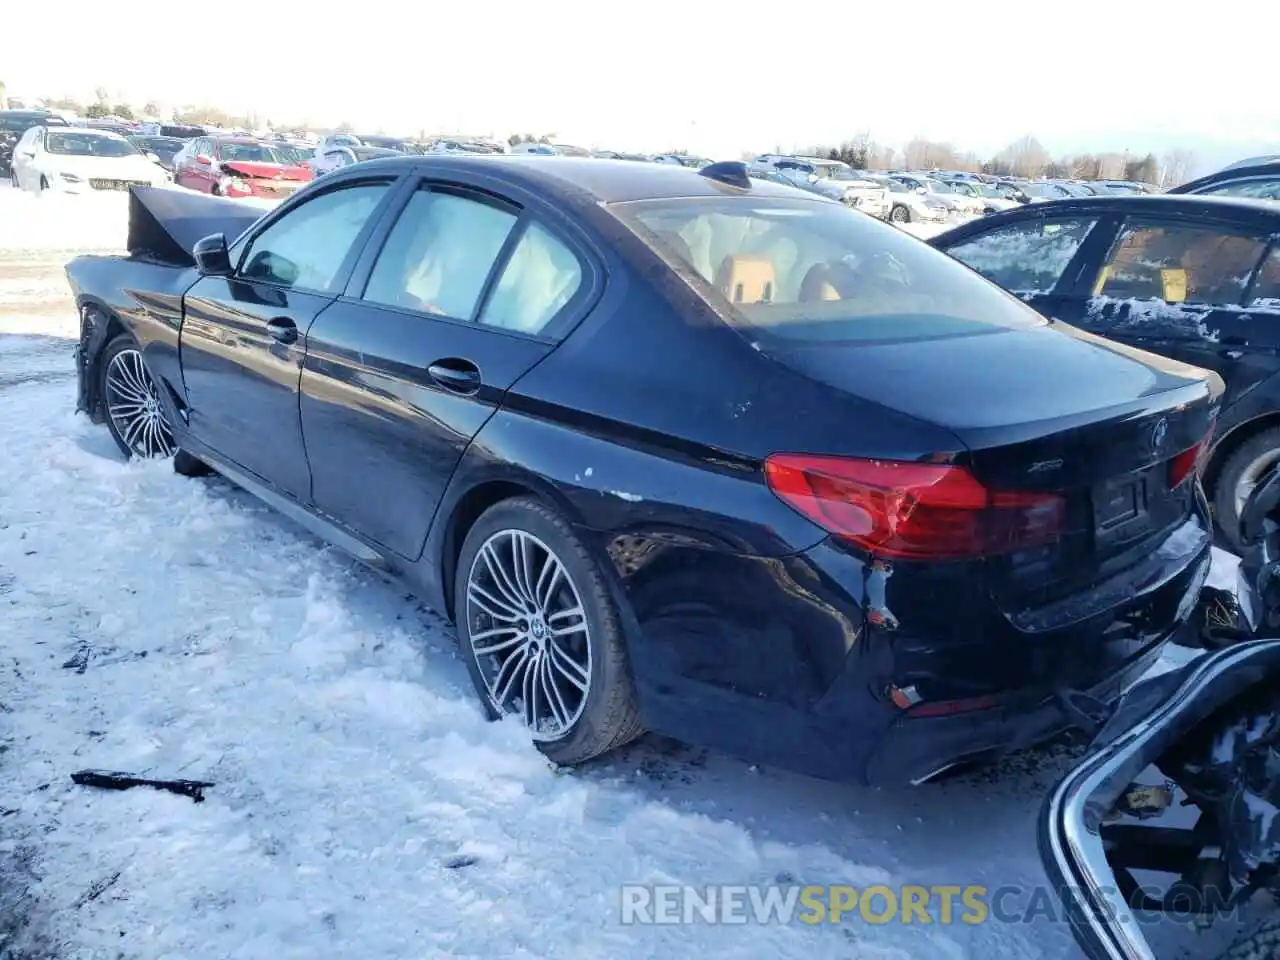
x,y
540,633
136,414
900,214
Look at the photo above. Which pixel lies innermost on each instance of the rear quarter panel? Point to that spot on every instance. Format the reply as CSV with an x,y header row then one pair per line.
x,y
138,297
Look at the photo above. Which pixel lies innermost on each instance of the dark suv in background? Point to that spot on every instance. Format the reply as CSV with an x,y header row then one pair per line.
x,y
13,124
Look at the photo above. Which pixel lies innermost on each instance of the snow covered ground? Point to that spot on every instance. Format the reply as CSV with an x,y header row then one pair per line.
x,y
362,807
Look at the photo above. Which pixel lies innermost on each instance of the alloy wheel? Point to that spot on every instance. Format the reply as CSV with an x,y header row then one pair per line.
x,y
1250,476
528,633
133,403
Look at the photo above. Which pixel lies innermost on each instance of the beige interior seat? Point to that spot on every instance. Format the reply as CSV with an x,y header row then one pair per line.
x,y
746,279
818,284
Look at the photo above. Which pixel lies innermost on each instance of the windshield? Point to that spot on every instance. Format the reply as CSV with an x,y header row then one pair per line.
x,y
290,153
799,271
834,171
89,145
247,153
895,186
936,186
389,143
20,124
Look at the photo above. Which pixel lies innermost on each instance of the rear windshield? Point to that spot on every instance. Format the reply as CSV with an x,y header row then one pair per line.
x,y
799,271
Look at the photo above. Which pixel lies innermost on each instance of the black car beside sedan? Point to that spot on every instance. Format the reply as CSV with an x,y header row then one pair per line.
x,y
675,450
13,124
1188,277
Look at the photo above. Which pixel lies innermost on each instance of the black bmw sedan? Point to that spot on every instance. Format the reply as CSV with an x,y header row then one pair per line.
x,y
676,450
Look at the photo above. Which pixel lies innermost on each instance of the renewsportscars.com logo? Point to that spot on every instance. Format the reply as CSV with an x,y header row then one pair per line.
x,y
878,904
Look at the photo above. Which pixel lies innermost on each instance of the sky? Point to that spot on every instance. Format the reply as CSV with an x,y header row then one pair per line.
x,y
713,78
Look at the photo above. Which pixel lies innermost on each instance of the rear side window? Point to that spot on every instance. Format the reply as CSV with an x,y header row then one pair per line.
x,y
536,283
1179,264
439,254
1027,257
1262,188
306,247
810,271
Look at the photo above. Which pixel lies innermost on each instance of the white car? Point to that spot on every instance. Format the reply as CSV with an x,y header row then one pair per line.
x,y
956,203
911,205
79,160
831,178
991,199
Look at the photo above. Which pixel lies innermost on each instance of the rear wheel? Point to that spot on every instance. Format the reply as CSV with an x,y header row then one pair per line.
x,y
1240,473
900,214
540,633
136,415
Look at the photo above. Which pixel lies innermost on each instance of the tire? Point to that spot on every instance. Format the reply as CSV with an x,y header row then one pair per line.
x,y
135,411
44,183
1262,944
1239,472
583,723
899,214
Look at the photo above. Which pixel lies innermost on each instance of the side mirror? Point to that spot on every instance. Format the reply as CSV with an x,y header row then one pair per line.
x,y
813,178
211,256
203,159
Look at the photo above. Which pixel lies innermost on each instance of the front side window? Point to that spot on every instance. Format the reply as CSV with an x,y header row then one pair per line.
x,y
306,247
88,145
1266,289
800,271
541,276
1179,264
1263,188
439,254
1026,257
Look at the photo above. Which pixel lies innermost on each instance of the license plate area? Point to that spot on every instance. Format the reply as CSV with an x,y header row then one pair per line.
x,y
1121,509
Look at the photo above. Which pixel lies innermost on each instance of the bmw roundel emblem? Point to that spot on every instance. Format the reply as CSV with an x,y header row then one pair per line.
x,y
1158,433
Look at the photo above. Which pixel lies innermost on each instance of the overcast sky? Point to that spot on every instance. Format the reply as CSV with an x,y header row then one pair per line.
x,y
716,78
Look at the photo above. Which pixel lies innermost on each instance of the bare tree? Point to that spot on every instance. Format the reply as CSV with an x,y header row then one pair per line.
x,y
1023,158
1177,167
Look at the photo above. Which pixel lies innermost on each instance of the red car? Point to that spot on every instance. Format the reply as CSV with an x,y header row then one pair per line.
x,y
237,167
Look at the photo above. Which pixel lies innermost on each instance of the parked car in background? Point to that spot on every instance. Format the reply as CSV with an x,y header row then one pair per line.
x,y
238,167
64,159
164,149
990,199
1259,180
294,152
338,157
453,145
909,205
436,388
682,159
398,144
1193,278
13,124
615,155
956,204
1126,187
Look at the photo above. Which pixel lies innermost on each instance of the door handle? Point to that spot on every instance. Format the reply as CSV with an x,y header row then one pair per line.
x,y
456,374
283,329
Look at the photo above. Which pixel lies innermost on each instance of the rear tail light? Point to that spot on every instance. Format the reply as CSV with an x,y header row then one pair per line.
x,y
922,511
1190,461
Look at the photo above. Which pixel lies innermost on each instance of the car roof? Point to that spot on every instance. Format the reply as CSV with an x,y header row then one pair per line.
x,y
602,180
1230,174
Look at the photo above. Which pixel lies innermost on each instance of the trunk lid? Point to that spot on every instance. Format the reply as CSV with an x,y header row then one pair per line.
x,y
1047,409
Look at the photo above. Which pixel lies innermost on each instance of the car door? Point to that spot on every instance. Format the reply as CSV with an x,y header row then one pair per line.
x,y
1038,258
24,154
244,336
1177,286
466,294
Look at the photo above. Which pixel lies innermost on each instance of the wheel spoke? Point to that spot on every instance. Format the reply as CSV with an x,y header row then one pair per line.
x,y
490,604
529,692
555,700
489,649
126,390
501,580
512,669
568,668
548,578
522,567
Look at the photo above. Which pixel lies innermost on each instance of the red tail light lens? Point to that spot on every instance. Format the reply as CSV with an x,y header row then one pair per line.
x,y
923,511
1188,463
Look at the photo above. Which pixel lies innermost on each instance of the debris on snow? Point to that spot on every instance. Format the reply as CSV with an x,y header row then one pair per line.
x,y
126,781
